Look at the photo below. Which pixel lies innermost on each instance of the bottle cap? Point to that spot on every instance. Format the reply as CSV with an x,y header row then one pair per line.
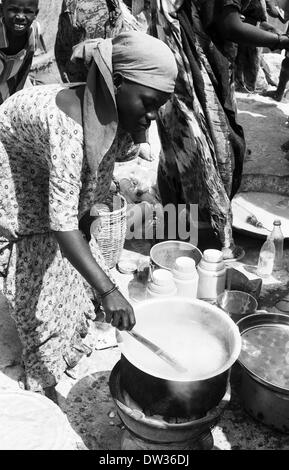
x,y
213,256
184,264
277,222
162,277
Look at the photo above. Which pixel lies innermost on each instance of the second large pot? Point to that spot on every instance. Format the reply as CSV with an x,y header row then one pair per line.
x,y
157,388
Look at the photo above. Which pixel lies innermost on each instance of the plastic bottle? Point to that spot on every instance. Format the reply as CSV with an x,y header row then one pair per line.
x,y
212,275
186,277
266,258
278,239
161,284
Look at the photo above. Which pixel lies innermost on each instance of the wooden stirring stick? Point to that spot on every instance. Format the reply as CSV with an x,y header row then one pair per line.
x,y
158,351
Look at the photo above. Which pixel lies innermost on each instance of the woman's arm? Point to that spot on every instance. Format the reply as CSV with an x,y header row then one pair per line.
x,y
76,249
230,27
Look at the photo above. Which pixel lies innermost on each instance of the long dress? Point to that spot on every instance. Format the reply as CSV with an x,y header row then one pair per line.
x,y
45,186
202,144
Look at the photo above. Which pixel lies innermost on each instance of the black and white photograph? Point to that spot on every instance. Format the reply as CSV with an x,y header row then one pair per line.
x,y
144,226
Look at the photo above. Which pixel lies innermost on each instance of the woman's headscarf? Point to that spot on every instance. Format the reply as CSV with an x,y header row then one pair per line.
x,y
138,57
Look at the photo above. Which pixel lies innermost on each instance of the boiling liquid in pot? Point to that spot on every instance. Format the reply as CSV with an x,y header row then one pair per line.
x,y
197,349
265,351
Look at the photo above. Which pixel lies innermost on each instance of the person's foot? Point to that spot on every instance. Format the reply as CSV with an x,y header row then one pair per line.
x,y
241,88
273,94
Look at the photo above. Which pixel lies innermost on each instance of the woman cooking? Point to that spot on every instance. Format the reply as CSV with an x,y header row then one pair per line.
x,y
57,150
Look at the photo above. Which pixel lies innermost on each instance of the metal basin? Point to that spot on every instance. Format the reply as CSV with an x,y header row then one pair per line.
x,y
264,361
164,254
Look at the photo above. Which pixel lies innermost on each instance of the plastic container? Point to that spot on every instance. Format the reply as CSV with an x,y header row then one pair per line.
x,y
186,277
266,258
161,284
212,275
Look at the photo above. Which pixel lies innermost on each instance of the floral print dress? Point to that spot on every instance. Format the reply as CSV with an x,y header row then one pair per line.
x,y
45,186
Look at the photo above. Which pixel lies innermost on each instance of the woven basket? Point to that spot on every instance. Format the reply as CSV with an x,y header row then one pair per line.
x,y
111,229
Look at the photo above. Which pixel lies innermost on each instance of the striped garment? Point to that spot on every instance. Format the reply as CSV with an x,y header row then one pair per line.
x,y
15,68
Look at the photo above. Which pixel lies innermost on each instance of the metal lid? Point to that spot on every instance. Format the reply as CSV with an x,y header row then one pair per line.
x,y
127,266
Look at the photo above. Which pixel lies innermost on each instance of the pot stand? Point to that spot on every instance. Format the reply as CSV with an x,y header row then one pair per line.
x,y
153,433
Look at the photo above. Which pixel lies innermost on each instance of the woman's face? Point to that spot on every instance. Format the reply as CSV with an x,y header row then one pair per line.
x,y
137,106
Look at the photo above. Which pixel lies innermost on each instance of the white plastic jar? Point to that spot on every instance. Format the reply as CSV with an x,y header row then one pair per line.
x,y
212,275
186,277
162,284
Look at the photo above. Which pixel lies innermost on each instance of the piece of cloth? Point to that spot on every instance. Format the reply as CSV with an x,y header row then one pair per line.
x,y
81,21
46,185
15,68
137,56
145,60
202,144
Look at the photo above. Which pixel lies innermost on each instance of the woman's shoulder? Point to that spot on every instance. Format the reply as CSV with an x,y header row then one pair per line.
x,y
30,105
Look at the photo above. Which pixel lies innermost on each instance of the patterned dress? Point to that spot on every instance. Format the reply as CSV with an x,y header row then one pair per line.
x,y
202,144
45,186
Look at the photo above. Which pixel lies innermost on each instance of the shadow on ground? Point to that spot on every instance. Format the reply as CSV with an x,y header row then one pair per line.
x,y
91,412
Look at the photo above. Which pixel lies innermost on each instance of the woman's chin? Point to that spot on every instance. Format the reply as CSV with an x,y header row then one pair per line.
x,y
139,136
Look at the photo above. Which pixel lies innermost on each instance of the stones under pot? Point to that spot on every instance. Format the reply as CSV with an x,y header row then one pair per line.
x,y
146,432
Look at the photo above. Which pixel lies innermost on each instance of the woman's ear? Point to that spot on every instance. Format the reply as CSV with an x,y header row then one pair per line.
x,y
117,81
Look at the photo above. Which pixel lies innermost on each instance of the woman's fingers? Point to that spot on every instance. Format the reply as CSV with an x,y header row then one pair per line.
x,y
118,311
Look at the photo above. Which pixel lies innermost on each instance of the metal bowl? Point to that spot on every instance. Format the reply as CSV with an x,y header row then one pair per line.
x,y
237,304
264,393
164,254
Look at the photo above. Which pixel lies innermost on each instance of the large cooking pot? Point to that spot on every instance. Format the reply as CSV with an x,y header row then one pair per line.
x,y
200,335
264,361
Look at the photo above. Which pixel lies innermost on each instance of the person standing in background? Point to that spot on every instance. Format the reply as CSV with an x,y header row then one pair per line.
x,y
203,146
249,58
19,39
279,92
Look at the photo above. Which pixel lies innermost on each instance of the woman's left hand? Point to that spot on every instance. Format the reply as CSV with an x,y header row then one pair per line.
x,y
118,311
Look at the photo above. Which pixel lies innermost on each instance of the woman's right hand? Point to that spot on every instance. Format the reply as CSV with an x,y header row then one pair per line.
x,y
118,311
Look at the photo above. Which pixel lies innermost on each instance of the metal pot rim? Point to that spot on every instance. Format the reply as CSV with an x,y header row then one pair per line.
x,y
169,242
262,319
234,329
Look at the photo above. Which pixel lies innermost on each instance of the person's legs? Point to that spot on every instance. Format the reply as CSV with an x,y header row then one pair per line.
x,y
251,67
267,72
278,94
